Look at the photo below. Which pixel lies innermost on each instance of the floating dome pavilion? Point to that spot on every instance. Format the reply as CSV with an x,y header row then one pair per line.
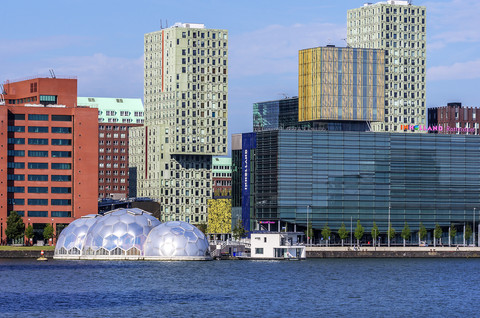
x,y
125,234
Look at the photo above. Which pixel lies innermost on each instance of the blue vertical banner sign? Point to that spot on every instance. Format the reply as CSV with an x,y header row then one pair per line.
x,y
249,142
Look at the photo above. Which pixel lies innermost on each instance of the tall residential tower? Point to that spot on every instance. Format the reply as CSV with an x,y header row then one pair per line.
x,y
399,28
186,88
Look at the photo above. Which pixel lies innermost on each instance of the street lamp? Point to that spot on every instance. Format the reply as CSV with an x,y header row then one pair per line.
x,y
308,228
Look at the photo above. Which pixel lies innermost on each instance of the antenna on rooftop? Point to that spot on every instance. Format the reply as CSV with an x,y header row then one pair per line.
x,y
166,23
161,27
52,73
345,39
2,91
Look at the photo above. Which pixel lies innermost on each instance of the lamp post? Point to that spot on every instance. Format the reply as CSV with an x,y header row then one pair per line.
x,y
473,227
308,228
351,232
388,227
53,233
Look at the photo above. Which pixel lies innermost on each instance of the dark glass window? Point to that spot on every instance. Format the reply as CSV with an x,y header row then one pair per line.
x,y
61,118
61,202
21,213
37,153
16,165
16,201
37,165
62,166
16,153
37,141
16,189
37,129
61,142
61,154
61,214
37,201
16,116
37,117
61,190
61,178
61,130
40,214
16,177
37,189
16,141
16,128
37,177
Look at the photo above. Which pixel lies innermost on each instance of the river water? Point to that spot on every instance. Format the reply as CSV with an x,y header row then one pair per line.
x,y
310,288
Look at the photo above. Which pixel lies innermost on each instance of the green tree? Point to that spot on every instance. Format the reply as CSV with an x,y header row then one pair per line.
x,y
326,232
375,233
359,231
406,233
468,232
15,226
422,232
29,232
309,232
390,233
238,231
453,233
48,232
343,232
202,226
437,234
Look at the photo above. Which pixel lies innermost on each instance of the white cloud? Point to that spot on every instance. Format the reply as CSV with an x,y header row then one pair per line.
x,y
274,49
456,71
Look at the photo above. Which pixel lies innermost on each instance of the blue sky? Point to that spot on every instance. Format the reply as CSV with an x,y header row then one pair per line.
x,y
101,42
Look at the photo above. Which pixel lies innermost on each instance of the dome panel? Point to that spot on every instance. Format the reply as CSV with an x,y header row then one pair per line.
x,y
73,236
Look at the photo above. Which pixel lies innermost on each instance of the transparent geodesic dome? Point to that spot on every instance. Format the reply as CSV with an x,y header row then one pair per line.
x,y
120,232
72,238
176,238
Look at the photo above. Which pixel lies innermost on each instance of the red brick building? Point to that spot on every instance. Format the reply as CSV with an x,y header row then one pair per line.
x,y
48,154
455,119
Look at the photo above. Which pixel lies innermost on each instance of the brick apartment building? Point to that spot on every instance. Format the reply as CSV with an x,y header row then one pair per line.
x,y
455,119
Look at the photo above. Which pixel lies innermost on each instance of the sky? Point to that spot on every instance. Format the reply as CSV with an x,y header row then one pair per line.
x,y
101,43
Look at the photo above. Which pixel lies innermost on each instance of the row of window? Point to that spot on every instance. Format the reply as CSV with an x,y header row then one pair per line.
x,y
40,117
38,153
39,165
44,214
40,129
39,177
40,141
40,201
39,190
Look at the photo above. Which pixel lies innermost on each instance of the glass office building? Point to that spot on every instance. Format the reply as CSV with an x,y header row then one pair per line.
x,y
340,177
277,114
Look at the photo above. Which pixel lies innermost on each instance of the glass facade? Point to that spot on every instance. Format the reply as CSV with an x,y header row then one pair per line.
x,y
277,114
337,177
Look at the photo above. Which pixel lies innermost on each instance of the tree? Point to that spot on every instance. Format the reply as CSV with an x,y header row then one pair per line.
x,y
437,233
202,227
422,232
453,233
309,232
468,232
390,233
326,232
15,226
48,232
343,232
29,232
406,233
359,231
375,233
238,231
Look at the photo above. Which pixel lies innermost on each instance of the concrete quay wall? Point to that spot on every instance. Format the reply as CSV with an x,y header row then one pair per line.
x,y
394,252
25,254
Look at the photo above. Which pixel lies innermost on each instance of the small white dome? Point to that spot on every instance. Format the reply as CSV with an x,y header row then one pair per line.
x,y
72,237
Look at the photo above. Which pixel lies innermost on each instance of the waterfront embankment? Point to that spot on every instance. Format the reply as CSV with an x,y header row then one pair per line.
x,y
25,253
392,252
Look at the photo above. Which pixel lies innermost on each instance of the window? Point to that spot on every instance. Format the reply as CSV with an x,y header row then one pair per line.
x,y
37,141
16,141
16,117
37,129
61,166
37,189
61,214
61,202
37,165
61,190
61,154
37,116
16,189
41,214
37,201
16,165
16,177
61,142
61,118
16,128
16,201
61,178
258,250
16,153
37,177
61,130
36,153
